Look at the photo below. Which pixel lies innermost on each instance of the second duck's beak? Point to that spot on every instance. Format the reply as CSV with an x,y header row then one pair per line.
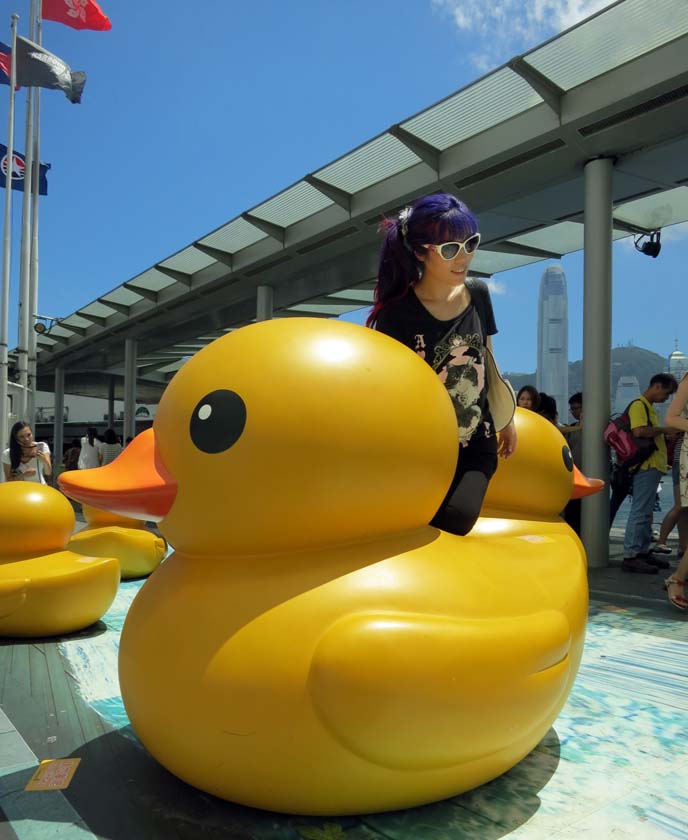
x,y
135,484
584,486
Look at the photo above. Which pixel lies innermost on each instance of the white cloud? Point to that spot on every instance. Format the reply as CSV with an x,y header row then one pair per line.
x,y
508,27
496,287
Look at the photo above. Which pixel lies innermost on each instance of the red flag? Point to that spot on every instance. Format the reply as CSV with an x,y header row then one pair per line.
x,y
79,14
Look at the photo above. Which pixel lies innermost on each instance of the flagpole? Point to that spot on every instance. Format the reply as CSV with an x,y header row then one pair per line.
x,y
33,262
25,319
6,242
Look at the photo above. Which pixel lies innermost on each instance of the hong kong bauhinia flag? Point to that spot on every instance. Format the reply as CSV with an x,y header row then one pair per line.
x,y
79,14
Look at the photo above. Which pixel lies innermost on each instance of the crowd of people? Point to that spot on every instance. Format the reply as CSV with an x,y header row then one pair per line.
x,y
645,552
28,460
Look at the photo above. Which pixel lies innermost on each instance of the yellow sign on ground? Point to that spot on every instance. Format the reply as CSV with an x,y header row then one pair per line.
x,y
53,774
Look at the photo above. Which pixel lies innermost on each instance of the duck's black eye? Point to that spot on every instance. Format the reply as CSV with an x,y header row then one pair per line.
x,y
568,458
217,421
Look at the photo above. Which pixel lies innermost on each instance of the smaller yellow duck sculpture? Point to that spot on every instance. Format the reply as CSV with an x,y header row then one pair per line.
x,y
109,535
46,589
313,646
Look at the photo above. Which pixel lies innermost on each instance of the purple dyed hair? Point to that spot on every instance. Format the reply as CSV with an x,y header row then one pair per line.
x,y
432,219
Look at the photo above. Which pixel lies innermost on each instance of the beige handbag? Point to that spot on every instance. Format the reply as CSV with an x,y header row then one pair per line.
x,y
500,394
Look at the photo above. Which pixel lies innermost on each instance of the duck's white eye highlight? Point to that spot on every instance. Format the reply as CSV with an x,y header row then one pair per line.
x,y
205,411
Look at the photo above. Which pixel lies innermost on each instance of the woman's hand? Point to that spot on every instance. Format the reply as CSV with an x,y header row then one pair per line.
x,y
507,441
44,454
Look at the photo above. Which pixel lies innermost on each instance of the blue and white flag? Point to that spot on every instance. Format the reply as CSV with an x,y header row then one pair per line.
x,y
18,170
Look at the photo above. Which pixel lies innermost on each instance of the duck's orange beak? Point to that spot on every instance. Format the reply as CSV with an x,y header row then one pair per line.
x,y
135,484
584,486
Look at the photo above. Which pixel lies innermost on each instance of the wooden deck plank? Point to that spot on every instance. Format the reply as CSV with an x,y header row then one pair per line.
x,y
20,664
5,664
27,716
41,693
68,732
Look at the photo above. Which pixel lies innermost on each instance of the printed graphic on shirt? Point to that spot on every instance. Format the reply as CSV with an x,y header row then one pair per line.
x,y
461,368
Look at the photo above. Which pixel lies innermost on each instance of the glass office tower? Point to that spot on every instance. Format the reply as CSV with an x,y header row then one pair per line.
x,y
553,339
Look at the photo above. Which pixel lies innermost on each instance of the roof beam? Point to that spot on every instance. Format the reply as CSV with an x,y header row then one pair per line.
x,y
80,331
427,153
179,276
149,294
61,339
340,197
340,301
507,247
275,231
118,307
149,368
220,256
619,224
299,313
94,319
546,88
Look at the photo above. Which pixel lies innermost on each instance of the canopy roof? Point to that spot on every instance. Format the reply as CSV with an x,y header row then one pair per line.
x,y
513,144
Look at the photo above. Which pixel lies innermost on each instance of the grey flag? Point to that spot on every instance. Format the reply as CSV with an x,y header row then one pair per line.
x,y
36,67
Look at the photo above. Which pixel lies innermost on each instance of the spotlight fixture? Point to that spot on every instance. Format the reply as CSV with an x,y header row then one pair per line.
x,y
44,323
652,246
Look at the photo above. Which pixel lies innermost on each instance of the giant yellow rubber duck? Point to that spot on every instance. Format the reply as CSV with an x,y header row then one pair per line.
x,y
314,646
46,590
109,535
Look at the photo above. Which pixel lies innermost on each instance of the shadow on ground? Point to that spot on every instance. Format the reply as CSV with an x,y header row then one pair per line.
x,y
121,793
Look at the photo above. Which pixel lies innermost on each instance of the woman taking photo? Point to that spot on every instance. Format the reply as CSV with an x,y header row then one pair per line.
x,y
424,299
26,460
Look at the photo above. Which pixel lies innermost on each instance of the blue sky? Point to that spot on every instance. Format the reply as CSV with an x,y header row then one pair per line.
x,y
194,112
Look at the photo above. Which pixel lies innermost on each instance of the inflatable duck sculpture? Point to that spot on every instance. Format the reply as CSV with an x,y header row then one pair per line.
x,y
109,535
314,646
46,590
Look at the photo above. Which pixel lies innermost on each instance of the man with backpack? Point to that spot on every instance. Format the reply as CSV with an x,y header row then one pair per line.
x,y
644,424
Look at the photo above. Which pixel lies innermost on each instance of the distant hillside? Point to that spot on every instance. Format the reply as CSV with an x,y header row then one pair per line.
x,y
626,361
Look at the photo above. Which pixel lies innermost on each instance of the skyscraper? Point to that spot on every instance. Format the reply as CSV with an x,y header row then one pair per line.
x,y
678,363
553,339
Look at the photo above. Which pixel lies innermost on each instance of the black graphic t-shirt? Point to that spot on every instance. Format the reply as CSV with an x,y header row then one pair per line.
x,y
458,357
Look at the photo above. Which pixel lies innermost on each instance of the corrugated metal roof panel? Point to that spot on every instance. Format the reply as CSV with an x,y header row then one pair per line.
x,y
613,38
480,106
234,236
188,261
368,164
293,205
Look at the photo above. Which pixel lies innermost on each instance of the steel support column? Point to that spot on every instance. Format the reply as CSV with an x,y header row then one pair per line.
x,y
58,422
597,332
264,298
111,403
130,351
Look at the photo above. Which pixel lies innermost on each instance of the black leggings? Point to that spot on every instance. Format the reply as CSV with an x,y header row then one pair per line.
x,y
461,506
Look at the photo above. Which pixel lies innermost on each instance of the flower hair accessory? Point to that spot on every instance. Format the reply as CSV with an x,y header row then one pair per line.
x,y
404,217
